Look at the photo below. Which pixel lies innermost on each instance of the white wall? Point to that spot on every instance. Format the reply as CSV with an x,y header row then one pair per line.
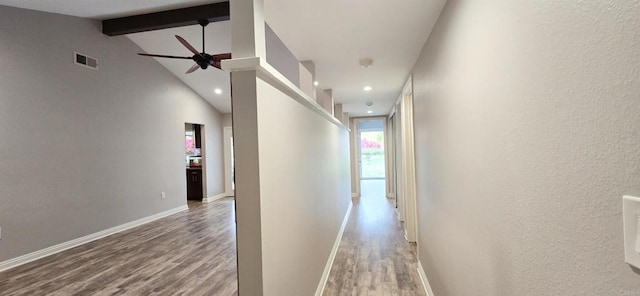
x,y
85,150
304,190
292,187
527,136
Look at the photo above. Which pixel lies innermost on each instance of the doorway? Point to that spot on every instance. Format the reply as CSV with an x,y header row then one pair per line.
x,y
371,139
371,167
195,161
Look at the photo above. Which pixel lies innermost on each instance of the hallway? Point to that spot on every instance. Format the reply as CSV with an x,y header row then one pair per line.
x,y
373,257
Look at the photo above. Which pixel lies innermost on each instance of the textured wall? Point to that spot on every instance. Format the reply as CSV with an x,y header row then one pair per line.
x,y
85,150
527,136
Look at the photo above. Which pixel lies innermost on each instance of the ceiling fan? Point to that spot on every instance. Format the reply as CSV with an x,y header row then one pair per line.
x,y
202,59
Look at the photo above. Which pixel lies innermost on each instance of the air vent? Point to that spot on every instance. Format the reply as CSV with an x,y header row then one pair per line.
x,y
86,61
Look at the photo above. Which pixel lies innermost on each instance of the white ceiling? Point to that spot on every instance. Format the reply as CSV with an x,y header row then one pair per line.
x,y
335,34
218,40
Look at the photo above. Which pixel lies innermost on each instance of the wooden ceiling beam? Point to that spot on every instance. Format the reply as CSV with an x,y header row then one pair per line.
x,y
215,12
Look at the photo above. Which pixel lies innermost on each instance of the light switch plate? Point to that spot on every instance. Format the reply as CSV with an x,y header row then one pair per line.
x,y
631,225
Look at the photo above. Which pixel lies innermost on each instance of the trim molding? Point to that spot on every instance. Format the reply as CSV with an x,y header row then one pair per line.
x,y
354,195
214,198
15,262
334,251
423,279
270,75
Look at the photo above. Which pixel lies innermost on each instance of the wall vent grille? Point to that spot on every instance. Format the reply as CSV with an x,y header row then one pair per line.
x,y
86,61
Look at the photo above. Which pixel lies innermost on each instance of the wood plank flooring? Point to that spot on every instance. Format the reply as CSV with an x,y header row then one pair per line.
x,y
194,253
373,257
188,253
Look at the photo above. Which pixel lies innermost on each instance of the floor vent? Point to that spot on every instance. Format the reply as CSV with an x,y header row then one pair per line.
x,y
86,61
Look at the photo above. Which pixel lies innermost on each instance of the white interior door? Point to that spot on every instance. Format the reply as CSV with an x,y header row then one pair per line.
x,y
411,221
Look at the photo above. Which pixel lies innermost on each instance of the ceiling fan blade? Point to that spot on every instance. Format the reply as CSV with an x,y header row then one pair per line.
x,y
193,69
187,45
164,56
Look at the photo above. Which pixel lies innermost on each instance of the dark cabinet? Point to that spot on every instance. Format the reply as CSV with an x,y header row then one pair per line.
x,y
194,184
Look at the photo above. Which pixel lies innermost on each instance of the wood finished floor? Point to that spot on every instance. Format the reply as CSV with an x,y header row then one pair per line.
x,y
373,257
194,253
189,253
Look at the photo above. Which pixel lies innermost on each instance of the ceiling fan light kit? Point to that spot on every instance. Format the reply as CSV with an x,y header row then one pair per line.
x,y
203,60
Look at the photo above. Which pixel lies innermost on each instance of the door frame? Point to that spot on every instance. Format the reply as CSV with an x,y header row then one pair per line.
x,y
408,158
355,141
203,153
410,167
227,134
389,143
405,161
399,163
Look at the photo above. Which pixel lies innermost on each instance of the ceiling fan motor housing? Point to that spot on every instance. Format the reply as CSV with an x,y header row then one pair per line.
x,y
203,60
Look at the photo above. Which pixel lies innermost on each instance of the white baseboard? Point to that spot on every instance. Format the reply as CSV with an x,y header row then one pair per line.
x,y
334,251
15,262
214,198
423,279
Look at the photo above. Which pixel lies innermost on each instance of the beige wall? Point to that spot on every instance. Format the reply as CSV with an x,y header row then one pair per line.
x,y
85,150
526,124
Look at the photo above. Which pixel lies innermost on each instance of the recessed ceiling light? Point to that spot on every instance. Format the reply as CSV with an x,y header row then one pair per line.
x,y
315,83
367,88
217,91
369,111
